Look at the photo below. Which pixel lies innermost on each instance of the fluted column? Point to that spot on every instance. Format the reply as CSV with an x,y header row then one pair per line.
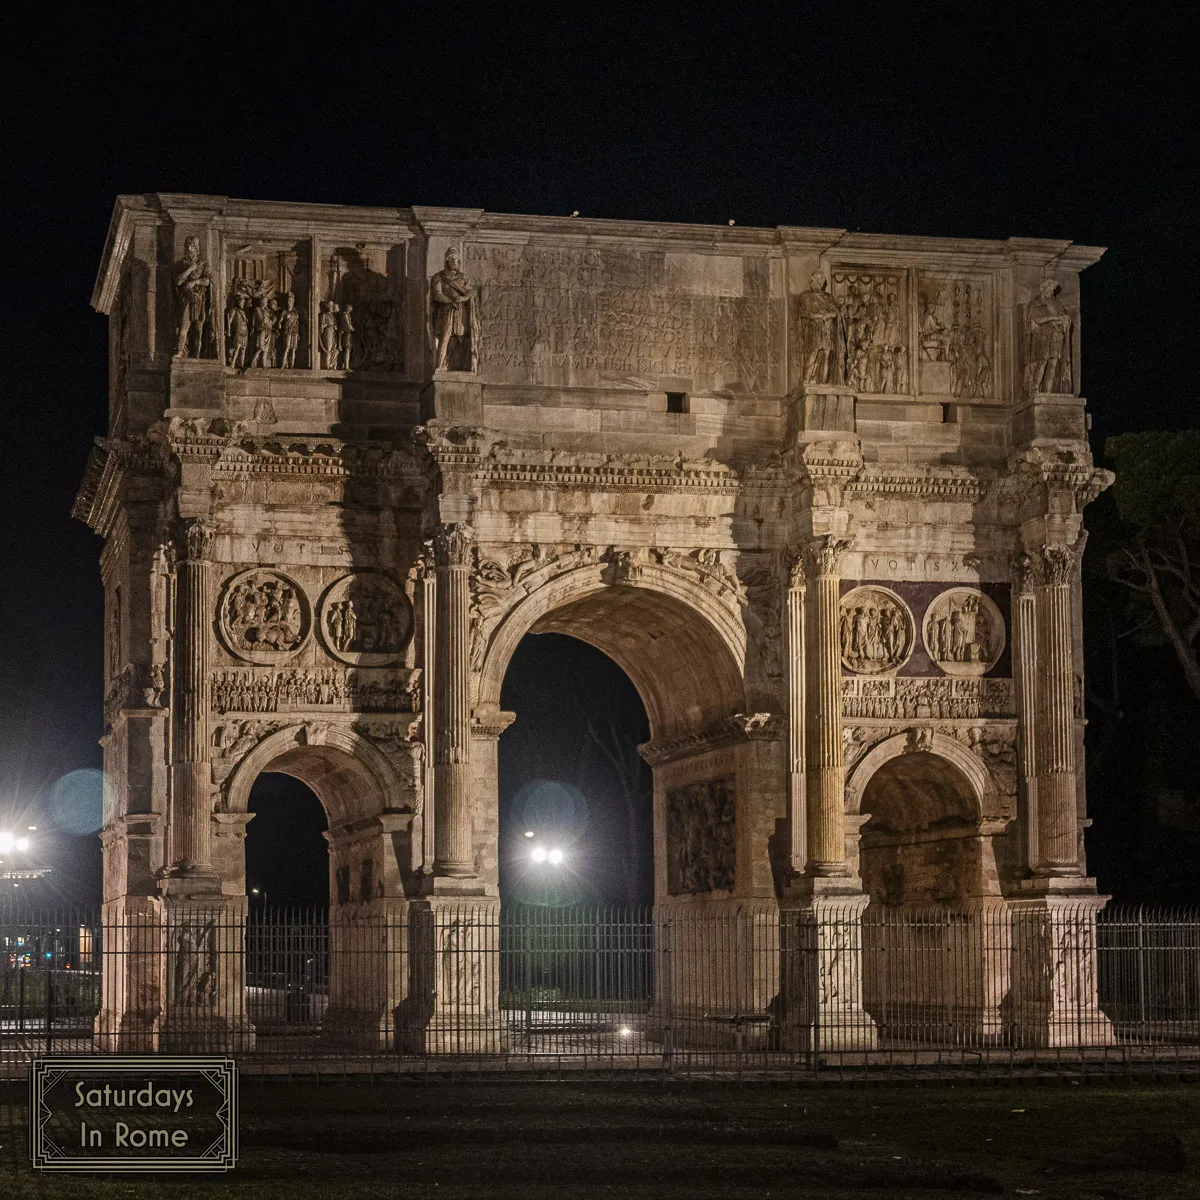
x,y
191,797
1024,653
1057,819
453,835
825,786
798,817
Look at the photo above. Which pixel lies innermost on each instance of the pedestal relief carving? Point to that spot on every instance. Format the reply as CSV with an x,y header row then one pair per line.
x,y
876,631
875,312
366,620
264,616
701,819
964,632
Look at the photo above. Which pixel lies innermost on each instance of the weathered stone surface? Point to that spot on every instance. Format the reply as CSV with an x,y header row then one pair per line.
x,y
780,476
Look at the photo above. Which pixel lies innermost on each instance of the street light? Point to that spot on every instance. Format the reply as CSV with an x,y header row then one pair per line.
x,y
17,845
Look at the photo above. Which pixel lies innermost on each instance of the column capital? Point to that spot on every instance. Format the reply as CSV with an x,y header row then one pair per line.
x,y
193,539
453,543
824,555
1055,563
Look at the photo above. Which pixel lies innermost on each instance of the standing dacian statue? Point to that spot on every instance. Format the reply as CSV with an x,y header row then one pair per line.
x,y
192,283
452,312
1048,343
822,333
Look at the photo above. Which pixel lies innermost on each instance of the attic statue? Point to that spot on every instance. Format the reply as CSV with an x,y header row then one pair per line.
x,y
452,313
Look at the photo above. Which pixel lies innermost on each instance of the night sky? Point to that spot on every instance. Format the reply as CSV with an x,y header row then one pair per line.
x,y
1068,122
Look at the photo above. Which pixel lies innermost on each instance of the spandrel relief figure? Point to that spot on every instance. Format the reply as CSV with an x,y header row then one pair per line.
x,y
237,332
876,631
964,632
328,336
289,332
1048,343
453,316
822,334
193,285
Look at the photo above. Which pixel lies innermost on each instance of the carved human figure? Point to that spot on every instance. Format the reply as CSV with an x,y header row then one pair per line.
x,y
452,311
237,332
289,332
1048,343
327,335
262,332
192,284
345,335
822,333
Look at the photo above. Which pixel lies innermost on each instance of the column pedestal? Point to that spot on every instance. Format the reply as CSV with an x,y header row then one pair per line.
x,y
453,1001
821,973
1054,1000
204,939
131,955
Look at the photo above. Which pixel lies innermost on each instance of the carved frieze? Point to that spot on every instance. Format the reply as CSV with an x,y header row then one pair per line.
x,y
956,344
263,616
701,820
964,632
297,690
911,698
366,619
876,631
874,307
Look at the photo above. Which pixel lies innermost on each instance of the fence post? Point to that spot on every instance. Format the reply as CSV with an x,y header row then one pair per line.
x,y
48,960
1141,973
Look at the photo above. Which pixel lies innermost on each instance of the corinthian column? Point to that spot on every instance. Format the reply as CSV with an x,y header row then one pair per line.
x,y
191,799
797,816
1025,657
825,788
453,835
1054,745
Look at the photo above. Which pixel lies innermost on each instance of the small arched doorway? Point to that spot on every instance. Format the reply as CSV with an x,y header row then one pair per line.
x,y
339,970
935,932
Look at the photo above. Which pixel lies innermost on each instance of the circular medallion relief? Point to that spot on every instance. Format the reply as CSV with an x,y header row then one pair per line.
x,y
264,616
876,631
366,619
964,632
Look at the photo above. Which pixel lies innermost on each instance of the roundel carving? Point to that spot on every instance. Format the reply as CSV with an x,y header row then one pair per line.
x,y
264,616
876,630
366,619
964,632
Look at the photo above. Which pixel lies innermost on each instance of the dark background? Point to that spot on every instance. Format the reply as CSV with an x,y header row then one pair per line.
x,y
1064,121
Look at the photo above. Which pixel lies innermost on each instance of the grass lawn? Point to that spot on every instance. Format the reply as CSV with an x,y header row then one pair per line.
x,y
648,1139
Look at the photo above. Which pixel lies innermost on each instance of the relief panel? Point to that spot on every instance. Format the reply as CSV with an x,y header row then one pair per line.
x,y
701,821
874,307
956,339
263,616
366,620
266,305
360,316
876,631
964,632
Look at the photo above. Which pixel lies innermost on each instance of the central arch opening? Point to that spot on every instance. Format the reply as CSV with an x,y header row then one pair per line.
x,y
571,780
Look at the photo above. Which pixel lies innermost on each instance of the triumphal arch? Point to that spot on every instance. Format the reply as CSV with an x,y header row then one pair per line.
x,y
819,493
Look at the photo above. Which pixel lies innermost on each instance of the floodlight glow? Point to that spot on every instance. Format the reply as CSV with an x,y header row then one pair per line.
x,y
625,1031
22,844
555,856
529,833
538,854
7,842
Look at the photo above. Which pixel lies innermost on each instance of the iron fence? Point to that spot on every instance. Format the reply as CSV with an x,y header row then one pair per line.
x,y
680,986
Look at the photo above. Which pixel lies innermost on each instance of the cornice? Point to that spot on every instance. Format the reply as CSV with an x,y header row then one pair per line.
x,y
924,483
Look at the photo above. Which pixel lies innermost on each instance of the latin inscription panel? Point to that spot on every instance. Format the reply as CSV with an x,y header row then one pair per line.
x,y
603,315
